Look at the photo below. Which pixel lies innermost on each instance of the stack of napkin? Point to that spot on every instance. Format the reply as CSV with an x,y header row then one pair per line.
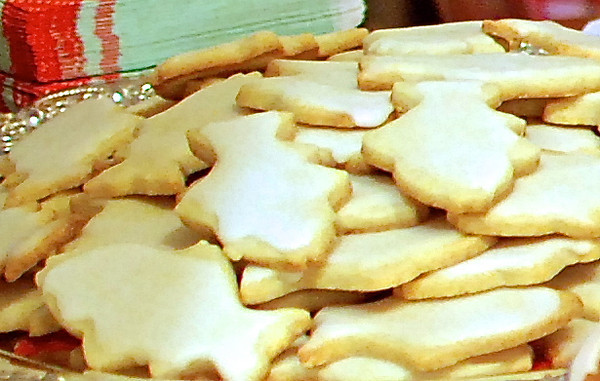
x,y
50,45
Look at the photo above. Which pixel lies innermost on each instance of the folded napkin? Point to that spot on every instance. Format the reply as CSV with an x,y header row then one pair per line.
x,y
60,41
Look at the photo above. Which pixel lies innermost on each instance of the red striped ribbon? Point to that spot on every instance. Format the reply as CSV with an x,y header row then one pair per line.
x,y
110,41
43,40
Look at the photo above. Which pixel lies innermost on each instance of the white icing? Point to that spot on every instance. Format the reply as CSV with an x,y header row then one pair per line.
x,y
194,290
260,187
69,146
366,109
515,255
342,143
573,111
376,197
369,261
568,182
135,220
16,225
458,37
443,151
548,31
362,368
517,74
162,143
438,324
340,74
563,139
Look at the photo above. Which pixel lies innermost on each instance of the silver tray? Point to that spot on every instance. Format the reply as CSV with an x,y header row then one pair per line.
x,y
126,91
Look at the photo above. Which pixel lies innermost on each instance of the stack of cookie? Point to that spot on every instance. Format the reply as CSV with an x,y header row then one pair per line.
x,y
406,204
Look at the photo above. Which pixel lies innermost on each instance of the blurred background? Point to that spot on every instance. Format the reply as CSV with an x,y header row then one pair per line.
x,y
394,13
